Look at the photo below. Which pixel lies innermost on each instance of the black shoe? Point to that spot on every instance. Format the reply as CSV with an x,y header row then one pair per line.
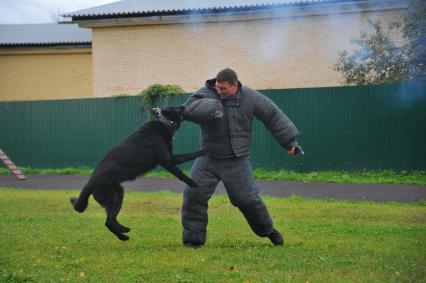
x,y
276,238
193,245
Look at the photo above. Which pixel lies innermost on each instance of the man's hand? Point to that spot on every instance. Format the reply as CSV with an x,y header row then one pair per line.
x,y
292,151
296,150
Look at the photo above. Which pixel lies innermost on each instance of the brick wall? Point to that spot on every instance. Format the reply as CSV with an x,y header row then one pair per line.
x,y
283,52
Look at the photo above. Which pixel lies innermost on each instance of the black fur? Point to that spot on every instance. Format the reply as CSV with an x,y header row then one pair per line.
x,y
149,146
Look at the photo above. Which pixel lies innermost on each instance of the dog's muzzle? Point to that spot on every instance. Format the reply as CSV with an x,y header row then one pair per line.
x,y
157,112
160,117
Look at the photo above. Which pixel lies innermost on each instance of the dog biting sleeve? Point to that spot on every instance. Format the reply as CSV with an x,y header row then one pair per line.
x,y
203,111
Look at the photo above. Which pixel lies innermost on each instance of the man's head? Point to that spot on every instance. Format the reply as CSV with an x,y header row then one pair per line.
x,y
226,83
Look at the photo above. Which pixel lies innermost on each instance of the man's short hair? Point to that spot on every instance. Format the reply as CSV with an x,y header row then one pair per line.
x,y
227,75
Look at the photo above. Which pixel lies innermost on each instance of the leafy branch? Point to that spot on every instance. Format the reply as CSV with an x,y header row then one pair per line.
x,y
376,61
158,93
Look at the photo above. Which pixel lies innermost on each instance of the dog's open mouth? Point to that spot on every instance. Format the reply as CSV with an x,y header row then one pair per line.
x,y
157,112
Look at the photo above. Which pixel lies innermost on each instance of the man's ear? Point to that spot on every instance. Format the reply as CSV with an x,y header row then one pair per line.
x,y
235,86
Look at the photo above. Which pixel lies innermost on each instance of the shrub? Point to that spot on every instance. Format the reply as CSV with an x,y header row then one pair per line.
x,y
158,93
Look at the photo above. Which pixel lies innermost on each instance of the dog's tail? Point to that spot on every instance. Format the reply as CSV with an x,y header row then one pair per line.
x,y
80,203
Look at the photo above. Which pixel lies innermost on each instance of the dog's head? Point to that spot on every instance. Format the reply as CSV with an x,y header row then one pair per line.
x,y
169,115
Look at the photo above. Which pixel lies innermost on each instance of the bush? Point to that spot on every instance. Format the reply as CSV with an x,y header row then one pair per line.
x,y
158,93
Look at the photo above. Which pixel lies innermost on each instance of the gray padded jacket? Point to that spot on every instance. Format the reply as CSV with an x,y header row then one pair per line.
x,y
226,125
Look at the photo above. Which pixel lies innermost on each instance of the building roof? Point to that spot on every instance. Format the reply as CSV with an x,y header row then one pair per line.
x,y
177,7
44,34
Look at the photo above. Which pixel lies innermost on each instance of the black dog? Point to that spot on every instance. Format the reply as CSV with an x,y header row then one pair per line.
x,y
149,146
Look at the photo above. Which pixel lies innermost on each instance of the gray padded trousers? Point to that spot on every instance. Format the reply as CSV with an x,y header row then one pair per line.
x,y
237,177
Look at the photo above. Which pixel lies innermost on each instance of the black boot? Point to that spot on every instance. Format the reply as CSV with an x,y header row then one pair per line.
x,y
276,238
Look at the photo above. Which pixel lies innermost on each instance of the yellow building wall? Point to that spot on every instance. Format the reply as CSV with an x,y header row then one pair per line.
x,y
288,52
45,73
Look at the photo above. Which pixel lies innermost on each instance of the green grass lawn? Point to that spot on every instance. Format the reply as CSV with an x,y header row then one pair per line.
x,y
43,240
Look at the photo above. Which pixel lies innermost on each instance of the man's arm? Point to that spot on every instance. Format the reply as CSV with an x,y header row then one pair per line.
x,y
201,109
277,123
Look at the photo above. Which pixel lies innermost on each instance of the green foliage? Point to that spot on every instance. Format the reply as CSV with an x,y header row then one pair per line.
x,y
415,32
121,95
44,240
366,177
59,171
158,93
378,60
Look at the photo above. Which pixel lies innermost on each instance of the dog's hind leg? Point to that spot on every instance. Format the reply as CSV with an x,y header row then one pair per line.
x,y
111,199
112,212
117,208
80,203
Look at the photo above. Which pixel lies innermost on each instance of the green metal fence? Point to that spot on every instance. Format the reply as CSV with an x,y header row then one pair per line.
x,y
342,128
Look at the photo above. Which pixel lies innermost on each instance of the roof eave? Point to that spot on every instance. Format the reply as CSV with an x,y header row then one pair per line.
x,y
238,14
84,14
49,45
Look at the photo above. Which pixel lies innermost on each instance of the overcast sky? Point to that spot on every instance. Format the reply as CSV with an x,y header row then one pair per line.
x,y
41,11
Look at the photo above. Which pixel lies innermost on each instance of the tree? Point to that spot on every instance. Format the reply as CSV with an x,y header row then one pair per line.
x,y
378,60
415,32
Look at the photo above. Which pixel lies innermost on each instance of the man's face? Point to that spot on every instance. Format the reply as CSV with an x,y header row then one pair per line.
x,y
225,89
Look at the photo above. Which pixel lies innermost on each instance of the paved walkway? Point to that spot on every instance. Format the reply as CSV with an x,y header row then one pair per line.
x,y
374,192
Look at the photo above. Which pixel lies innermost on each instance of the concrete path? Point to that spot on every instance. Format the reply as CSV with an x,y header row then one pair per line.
x,y
374,192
